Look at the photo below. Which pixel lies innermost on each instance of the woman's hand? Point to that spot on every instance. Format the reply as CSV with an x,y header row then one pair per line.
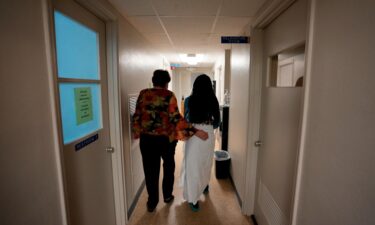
x,y
201,134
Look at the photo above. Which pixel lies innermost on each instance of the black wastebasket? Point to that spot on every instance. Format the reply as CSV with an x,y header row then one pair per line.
x,y
222,163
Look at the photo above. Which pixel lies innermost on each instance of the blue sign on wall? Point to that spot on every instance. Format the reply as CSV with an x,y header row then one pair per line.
x,y
234,39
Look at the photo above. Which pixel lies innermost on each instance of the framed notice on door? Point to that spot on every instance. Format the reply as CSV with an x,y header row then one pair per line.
x,y
83,102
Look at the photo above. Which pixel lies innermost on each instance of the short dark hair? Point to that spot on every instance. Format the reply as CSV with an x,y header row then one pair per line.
x,y
160,78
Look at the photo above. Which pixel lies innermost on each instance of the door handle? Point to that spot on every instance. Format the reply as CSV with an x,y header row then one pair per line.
x,y
110,149
258,143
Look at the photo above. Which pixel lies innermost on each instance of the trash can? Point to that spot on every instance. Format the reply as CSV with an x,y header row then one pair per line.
x,y
222,162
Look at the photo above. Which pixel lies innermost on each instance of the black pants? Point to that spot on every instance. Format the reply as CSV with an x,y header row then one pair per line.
x,y
152,149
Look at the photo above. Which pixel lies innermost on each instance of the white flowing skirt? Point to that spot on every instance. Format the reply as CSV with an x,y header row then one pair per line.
x,y
197,164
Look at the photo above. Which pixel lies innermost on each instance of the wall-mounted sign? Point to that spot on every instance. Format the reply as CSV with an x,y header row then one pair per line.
x,y
234,39
86,142
83,101
175,65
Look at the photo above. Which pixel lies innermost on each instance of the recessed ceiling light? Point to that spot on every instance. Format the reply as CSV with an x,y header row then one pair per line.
x,y
191,58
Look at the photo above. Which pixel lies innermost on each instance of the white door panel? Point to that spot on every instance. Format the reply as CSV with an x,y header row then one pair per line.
x,y
279,134
278,153
82,84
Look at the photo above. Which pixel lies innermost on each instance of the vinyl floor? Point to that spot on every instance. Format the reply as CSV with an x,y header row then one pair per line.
x,y
220,206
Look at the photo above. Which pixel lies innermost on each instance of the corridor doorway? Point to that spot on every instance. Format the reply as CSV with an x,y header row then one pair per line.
x,y
81,81
279,134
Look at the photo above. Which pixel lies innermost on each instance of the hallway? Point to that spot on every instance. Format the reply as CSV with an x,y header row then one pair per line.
x,y
220,206
302,153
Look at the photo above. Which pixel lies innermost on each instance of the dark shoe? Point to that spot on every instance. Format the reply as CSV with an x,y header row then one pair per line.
x,y
205,191
169,199
150,208
194,208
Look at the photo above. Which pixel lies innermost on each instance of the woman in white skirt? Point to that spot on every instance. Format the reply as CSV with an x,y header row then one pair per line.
x,y
201,109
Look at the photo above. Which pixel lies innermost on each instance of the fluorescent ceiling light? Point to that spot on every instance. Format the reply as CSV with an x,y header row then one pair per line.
x,y
191,59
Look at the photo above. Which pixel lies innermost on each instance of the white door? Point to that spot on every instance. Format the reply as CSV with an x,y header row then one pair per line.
x,y
83,110
280,119
285,73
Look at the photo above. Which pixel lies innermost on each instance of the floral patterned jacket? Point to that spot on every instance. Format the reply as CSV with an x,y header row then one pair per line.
x,y
157,113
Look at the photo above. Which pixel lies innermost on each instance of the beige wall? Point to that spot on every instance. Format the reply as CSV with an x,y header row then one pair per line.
x,y
219,68
29,192
287,31
227,69
238,113
338,172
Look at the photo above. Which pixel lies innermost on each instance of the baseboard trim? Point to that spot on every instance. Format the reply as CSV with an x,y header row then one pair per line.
x,y
235,191
136,198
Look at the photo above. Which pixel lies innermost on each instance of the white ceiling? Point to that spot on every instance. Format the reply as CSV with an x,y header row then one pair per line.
x,y
189,26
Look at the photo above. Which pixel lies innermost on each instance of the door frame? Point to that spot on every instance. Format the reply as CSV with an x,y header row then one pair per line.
x,y
255,100
254,127
255,91
106,14
309,49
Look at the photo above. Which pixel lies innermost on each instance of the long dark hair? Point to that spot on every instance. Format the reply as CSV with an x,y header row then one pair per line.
x,y
203,104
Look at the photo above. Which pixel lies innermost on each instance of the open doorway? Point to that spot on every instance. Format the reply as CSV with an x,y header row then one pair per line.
x,y
287,68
